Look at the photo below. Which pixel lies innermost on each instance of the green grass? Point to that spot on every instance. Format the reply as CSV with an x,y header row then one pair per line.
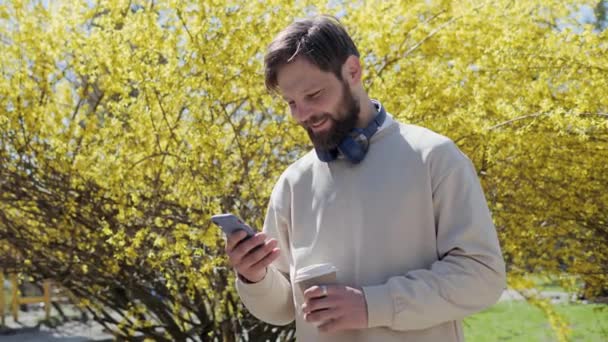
x,y
520,321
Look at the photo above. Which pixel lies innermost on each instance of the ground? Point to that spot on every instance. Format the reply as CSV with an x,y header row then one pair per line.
x,y
511,319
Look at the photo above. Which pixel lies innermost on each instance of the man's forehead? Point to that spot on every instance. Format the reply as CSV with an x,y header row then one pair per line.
x,y
300,76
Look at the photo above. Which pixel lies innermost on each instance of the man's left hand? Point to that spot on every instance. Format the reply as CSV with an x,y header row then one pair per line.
x,y
343,308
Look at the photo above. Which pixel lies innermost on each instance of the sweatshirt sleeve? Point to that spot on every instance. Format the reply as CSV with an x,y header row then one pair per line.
x,y
469,275
271,299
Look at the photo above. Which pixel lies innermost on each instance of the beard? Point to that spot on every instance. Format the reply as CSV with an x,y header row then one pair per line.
x,y
341,124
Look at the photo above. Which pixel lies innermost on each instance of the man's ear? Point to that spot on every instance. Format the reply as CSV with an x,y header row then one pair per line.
x,y
351,70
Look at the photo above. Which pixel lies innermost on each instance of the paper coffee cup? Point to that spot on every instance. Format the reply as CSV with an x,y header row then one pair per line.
x,y
318,274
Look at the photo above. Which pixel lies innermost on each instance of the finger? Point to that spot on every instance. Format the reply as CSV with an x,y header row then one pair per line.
x,y
256,255
317,291
322,315
245,246
269,259
315,304
234,239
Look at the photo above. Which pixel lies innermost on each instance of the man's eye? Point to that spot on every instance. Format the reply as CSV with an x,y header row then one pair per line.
x,y
315,94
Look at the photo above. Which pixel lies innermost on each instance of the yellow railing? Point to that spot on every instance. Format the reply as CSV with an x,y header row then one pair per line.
x,y
17,300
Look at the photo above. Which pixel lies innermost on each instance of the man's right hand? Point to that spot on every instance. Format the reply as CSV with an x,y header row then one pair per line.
x,y
250,257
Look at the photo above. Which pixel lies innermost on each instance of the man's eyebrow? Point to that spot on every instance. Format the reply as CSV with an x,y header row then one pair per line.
x,y
313,88
307,91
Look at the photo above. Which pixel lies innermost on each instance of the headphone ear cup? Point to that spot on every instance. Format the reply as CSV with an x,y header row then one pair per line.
x,y
353,150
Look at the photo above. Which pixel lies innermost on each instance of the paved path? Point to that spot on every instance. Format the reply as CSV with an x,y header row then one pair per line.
x,y
556,297
28,329
69,332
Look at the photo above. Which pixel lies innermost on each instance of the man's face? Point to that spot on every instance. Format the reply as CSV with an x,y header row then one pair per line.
x,y
320,102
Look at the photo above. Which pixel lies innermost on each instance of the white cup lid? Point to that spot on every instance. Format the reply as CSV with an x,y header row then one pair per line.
x,y
313,271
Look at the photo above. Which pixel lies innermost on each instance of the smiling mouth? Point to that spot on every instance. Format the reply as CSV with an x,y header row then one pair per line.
x,y
320,122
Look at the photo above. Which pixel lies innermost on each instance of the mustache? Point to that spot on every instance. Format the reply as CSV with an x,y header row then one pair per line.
x,y
317,118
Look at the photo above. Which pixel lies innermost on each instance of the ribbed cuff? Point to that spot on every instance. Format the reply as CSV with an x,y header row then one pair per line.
x,y
379,306
262,287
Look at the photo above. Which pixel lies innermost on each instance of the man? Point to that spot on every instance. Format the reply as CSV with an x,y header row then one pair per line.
x,y
396,208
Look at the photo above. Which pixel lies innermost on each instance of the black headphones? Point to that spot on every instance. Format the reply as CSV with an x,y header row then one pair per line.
x,y
355,145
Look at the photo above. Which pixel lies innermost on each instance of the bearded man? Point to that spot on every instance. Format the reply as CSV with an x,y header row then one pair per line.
x,y
397,209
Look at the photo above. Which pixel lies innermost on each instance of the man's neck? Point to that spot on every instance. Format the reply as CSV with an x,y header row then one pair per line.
x,y
367,113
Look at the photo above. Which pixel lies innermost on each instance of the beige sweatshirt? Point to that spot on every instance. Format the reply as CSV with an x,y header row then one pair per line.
x,y
409,224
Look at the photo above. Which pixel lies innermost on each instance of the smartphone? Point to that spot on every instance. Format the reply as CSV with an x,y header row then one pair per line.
x,y
230,223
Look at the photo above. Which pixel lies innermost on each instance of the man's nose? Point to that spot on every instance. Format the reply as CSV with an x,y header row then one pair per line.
x,y
303,113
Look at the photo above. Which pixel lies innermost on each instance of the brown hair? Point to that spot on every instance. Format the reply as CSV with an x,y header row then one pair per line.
x,y
322,40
